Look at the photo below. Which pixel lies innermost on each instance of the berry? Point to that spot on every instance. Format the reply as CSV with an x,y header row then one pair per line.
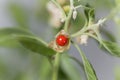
x,y
62,40
66,8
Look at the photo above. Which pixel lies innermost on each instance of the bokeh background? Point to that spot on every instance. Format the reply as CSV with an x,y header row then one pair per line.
x,y
17,63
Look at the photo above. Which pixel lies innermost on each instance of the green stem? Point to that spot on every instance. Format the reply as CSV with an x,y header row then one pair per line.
x,y
69,16
79,32
77,47
98,36
91,36
56,67
79,50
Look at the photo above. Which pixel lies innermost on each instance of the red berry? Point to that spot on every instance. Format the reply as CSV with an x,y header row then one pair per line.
x,y
62,40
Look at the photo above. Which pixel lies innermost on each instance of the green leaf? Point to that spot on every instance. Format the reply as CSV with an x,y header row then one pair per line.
x,y
117,73
117,2
6,36
45,69
35,45
89,13
41,10
117,18
3,68
77,61
77,24
19,15
69,68
112,48
10,31
91,75
62,75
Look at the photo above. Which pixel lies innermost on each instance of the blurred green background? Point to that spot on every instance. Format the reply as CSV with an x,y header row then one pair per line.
x,y
17,63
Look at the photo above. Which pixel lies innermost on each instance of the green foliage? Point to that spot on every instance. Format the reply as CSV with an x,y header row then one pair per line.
x,y
116,9
19,15
89,13
77,24
112,48
36,45
69,68
41,10
11,37
45,69
117,16
117,73
117,2
7,36
90,73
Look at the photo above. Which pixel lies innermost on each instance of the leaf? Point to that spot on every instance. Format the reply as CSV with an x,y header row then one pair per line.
x,y
112,48
6,36
117,15
91,75
69,68
35,45
81,66
41,10
89,13
117,73
45,69
62,75
19,15
117,18
10,31
77,61
77,24
3,68
117,2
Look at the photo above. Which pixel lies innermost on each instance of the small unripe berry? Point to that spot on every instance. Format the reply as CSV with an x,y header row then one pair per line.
x,y
66,8
62,40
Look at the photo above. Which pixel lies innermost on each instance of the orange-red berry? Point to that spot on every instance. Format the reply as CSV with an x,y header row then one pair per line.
x,y
62,40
